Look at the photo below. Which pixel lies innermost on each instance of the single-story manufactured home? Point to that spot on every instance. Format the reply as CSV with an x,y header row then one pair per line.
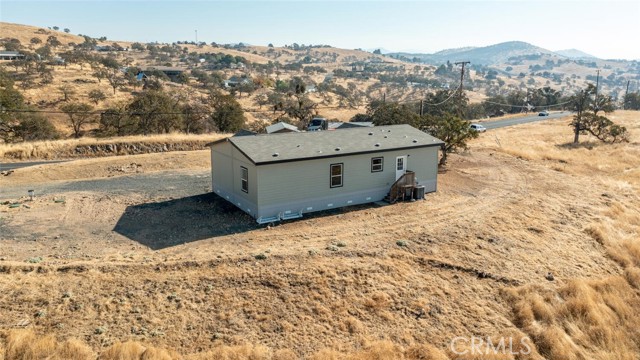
x,y
278,177
11,55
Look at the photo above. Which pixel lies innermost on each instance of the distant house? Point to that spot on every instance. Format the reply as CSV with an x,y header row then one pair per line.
x,y
355,124
279,177
10,55
104,48
235,81
357,67
310,89
171,72
281,127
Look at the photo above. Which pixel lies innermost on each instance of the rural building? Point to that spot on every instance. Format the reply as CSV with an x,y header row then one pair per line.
x,y
281,127
171,72
354,124
10,55
279,177
235,81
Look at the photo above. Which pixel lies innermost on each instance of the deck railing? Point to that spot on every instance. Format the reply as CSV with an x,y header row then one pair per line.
x,y
400,187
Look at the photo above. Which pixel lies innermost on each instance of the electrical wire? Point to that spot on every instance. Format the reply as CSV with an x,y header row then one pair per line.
x,y
525,106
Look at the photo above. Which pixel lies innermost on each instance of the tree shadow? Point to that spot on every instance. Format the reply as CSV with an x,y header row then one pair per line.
x,y
589,145
169,223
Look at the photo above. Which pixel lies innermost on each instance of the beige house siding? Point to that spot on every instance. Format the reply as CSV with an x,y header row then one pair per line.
x,y
304,186
226,163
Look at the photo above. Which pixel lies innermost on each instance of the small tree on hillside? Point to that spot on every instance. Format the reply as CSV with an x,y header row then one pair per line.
x,y
79,115
67,30
116,79
67,92
116,120
53,41
195,118
33,126
393,114
227,113
35,41
632,101
137,46
454,131
154,112
586,105
96,96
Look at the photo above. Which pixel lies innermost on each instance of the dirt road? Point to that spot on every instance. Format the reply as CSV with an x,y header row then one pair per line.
x,y
158,184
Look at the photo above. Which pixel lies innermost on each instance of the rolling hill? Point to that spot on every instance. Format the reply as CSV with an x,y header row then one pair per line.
x,y
575,54
486,55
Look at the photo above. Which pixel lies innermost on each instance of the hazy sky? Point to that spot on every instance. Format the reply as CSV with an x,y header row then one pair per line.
x,y
607,29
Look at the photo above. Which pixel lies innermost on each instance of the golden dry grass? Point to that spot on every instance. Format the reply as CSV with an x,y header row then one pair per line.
x,y
587,319
25,33
66,148
25,345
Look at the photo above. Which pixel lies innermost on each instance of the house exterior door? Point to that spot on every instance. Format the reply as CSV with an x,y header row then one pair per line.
x,y
401,166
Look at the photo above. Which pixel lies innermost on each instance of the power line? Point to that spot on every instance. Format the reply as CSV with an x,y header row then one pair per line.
x,y
524,106
107,111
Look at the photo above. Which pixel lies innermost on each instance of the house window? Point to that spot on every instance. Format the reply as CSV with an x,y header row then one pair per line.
x,y
400,164
244,178
336,175
376,164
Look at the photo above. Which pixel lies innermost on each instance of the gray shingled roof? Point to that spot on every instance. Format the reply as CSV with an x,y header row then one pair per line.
x,y
279,127
265,148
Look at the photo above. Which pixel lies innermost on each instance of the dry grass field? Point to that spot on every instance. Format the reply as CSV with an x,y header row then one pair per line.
x,y
134,276
56,149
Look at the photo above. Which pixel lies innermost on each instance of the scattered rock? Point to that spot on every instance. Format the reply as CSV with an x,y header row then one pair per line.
x,y
549,276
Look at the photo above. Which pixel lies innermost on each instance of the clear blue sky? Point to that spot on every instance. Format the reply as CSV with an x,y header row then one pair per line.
x,y
607,29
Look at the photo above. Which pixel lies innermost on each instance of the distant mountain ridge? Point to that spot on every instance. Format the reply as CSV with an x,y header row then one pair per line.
x,y
575,54
492,54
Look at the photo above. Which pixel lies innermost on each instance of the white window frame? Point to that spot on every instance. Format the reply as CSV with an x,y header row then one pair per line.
x,y
340,176
381,165
244,179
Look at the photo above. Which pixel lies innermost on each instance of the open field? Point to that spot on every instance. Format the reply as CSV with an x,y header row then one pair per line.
x,y
172,267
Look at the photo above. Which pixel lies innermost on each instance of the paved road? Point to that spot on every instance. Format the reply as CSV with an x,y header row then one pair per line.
x,y
18,165
523,120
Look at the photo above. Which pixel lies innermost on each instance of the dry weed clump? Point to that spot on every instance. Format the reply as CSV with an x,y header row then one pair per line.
x,y
26,345
583,319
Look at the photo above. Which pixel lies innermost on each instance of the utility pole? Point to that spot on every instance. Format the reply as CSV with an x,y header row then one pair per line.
x,y
460,110
597,83
624,100
463,63
196,37
384,98
421,107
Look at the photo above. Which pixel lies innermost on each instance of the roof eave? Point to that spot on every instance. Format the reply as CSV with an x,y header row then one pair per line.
x,y
435,144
